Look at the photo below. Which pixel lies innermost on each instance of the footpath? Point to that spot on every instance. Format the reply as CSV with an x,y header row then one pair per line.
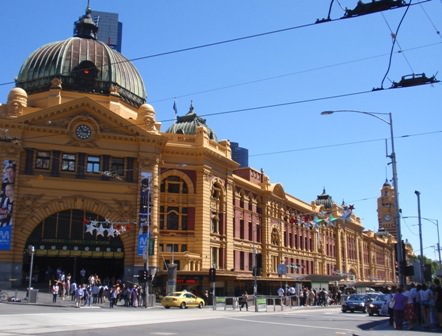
x,y
44,298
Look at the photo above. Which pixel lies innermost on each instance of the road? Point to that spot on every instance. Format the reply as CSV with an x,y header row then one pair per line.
x,y
49,320
28,319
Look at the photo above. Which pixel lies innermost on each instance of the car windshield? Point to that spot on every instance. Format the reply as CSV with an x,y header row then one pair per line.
x,y
356,297
381,297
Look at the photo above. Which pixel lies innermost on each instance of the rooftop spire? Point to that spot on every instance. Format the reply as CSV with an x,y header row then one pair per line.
x,y
85,26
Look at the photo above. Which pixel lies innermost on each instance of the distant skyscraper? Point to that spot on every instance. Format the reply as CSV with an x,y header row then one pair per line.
x,y
110,30
240,154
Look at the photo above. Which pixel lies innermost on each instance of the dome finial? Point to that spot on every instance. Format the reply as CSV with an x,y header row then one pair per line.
x,y
85,27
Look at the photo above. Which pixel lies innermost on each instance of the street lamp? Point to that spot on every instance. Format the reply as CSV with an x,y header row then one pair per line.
x,y
31,251
418,195
435,222
389,121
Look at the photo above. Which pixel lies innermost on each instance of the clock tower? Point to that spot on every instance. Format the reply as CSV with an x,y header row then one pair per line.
x,y
387,210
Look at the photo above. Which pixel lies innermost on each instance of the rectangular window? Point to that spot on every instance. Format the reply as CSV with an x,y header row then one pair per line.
x,y
241,260
172,248
241,229
162,216
117,166
93,164
214,257
68,162
183,247
42,160
258,233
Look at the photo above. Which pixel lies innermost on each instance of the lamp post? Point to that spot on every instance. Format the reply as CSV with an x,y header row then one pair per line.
x,y
31,251
387,119
435,222
418,195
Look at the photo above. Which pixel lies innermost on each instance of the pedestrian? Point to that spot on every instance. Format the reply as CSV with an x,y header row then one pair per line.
x,y
244,301
409,315
398,308
438,302
426,296
73,289
79,295
112,296
55,289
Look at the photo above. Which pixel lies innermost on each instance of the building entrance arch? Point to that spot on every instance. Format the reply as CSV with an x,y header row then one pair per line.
x,y
71,240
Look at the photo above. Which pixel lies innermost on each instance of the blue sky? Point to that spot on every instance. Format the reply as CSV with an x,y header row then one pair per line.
x,y
297,71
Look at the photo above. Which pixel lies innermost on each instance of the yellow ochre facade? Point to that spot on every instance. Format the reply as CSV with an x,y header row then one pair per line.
x,y
96,182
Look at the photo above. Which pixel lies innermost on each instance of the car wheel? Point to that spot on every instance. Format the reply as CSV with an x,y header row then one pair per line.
x,y
344,311
167,307
352,311
370,314
183,305
200,305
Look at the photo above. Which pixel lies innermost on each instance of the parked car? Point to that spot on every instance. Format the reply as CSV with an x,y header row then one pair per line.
x,y
379,306
356,302
183,299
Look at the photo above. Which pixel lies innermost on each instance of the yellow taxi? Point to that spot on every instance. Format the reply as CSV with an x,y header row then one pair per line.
x,y
183,299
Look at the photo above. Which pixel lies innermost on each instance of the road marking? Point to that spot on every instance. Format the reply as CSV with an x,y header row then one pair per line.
x,y
290,324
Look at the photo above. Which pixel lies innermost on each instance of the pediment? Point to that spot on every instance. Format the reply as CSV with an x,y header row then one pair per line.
x,y
83,112
279,190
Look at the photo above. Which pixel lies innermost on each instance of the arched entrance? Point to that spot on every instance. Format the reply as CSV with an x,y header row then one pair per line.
x,y
72,240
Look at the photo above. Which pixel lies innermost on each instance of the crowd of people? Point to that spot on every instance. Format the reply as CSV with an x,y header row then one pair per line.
x,y
309,296
418,305
92,290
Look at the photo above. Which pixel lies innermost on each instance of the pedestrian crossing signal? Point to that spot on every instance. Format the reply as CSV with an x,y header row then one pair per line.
x,y
212,275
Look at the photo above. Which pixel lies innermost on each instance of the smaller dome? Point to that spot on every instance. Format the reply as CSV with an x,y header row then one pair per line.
x,y
147,108
189,123
17,93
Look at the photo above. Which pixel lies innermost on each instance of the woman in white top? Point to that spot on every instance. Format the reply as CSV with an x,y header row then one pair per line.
x,y
426,295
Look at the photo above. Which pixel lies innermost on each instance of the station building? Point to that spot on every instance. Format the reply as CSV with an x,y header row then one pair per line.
x,y
92,182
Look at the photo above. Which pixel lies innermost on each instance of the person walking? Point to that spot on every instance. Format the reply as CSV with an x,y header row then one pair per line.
x,y
438,302
426,298
400,301
244,301
55,288
409,315
79,293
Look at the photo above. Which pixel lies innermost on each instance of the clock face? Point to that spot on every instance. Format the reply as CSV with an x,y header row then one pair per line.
x,y
387,217
83,132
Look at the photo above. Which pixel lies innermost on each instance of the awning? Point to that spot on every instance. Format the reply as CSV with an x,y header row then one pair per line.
x,y
317,278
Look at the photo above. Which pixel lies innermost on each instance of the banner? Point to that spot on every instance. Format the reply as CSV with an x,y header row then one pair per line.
x,y
7,204
144,214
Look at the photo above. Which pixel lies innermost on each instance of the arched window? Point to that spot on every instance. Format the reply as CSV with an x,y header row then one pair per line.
x,y
174,218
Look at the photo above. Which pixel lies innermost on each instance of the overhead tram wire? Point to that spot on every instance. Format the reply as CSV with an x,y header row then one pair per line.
x,y
254,108
291,73
431,22
237,39
394,43
341,144
400,51
303,101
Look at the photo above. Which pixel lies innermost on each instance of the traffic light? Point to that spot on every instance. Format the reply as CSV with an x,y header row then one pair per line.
x,y
142,275
212,274
258,265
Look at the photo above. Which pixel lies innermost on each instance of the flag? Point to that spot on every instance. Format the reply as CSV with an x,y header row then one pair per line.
x,y
175,110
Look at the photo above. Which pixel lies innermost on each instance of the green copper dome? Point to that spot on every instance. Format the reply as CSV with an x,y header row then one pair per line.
x,y
84,64
188,125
